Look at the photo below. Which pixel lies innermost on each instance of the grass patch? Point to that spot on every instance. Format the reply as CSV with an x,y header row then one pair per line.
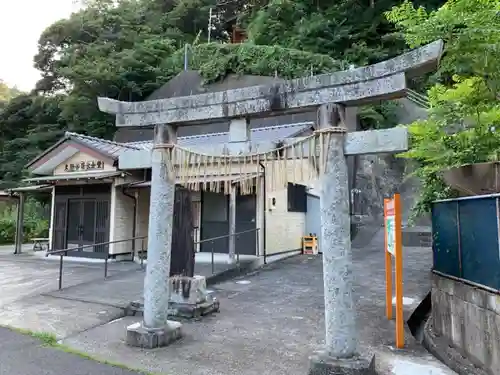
x,y
50,340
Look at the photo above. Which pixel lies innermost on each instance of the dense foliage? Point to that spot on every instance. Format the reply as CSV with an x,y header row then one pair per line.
x,y
351,30
464,122
126,49
7,93
36,223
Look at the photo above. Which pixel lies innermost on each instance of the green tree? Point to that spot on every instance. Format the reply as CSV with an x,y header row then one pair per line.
x,y
28,125
465,111
7,93
349,30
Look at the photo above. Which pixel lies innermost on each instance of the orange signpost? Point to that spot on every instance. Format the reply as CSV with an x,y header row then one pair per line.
x,y
394,249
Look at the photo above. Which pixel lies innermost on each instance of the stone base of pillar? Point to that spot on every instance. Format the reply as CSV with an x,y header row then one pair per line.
x,y
323,364
143,337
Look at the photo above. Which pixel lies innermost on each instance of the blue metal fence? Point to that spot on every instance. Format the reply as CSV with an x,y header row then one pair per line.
x,y
466,239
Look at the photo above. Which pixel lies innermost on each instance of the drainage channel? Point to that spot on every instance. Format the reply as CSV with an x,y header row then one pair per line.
x,y
417,320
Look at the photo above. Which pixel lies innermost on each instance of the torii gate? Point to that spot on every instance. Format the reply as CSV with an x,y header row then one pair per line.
x,y
331,94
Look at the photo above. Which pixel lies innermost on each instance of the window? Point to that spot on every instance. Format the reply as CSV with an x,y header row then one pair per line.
x,y
297,198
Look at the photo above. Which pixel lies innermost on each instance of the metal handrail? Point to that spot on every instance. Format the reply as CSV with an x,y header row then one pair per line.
x,y
213,239
64,252
227,236
52,252
418,98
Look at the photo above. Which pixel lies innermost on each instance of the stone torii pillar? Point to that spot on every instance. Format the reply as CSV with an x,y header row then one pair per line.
x,y
340,355
340,319
156,330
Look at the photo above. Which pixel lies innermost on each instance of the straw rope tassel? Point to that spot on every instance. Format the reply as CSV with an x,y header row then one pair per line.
x,y
182,167
328,138
219,173
282,167
321,152
200,172
286,152
179,166
192,169
277,171
266,171
200,165
207,182
270,168
277,181
248,179
302,164
245,180
187,167
168,162
226,175
230,163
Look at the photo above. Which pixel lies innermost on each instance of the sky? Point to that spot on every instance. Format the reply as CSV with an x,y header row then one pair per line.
x,y
21,23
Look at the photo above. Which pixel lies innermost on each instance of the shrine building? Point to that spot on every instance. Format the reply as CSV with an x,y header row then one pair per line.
x,y
100,189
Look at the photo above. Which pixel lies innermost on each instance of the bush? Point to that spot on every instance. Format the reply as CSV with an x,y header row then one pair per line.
x,y
35,225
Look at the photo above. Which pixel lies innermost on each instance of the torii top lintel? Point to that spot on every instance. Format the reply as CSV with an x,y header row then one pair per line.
x,y
384,80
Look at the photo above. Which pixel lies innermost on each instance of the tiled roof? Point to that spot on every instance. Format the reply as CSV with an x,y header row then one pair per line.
x,y
114,149
110,148
271,133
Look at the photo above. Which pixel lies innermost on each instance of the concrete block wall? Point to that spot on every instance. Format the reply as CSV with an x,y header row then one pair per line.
x,y
122,221
419,236
469,319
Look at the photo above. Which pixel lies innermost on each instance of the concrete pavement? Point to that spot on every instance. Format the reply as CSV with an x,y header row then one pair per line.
x,y
25,280
25,355
30,299
272,320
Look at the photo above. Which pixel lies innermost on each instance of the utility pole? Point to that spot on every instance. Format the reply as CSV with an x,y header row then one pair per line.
x,y
186,57
209,24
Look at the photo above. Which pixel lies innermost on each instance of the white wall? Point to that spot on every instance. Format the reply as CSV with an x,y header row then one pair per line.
x,y
284,229
121,221
52,216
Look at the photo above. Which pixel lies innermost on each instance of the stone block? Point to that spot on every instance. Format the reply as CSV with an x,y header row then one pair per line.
x,y
188,290
143,337
185,302
323,364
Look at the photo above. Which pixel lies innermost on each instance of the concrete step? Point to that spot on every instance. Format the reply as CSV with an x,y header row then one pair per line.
x,y
416,361
417,237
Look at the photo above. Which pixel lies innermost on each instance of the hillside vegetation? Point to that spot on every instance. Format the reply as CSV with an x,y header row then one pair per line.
x,y
126,49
